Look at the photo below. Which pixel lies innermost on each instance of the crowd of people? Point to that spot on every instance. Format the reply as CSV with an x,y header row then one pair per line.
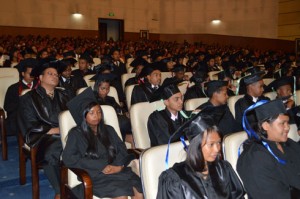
x,y
54,70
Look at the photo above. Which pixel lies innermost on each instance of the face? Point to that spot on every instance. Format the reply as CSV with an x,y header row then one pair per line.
x,y
44,54
175,102
179,75
257,88
218,60
26,75
155,77
139,69
221,96
211,62
103,89
211,146
49,77
278,130
284,91
83,65
116,55
93,117
67,72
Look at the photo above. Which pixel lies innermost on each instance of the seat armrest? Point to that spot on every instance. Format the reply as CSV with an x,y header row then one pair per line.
x,y
136,152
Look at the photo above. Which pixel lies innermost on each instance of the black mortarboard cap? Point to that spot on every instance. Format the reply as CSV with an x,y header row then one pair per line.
x,y
69,54
79,103
225,73
69,61
99,77
29,62
199,77
37,71
281,82
147,70
250,79
86,57
269,109
139,61
178,67
105,65
141,53
61,66
213,86
165,91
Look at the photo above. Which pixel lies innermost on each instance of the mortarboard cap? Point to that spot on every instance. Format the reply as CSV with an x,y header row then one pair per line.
x,y
139,61
178,68
281,82
69,61
69,54
250,79
147,70
37,71
27,63
99,77
269,109
213,86
223,74
199,77
86,57
79,103
165,91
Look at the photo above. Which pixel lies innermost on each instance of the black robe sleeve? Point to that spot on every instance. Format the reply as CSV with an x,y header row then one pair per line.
x,y
138,95
158,129
169,186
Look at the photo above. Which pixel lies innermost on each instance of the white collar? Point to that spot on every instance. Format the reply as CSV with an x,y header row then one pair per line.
x,y
26,83
254,99
174,117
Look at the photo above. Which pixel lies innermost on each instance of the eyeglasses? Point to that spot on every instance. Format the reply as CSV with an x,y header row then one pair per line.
x,y
52,74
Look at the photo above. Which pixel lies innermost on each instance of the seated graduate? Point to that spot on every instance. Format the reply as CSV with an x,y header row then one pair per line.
x,y
254,86
197,91
97,149
139,63
162,124
67,81
152,79
101,90
203,174
217,92
269,165
11,101
84,64
178,74
226,75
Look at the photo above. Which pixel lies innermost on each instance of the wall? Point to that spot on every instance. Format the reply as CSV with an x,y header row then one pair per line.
x,y
253,18
289,19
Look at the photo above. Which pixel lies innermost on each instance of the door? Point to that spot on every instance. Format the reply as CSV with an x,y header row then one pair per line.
x,y
103,31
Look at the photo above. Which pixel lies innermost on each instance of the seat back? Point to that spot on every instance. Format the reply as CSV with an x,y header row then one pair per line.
x,y
112,92
165,75
212,75
96,61
8,76
272,95
66,123
128,93
139,114
231,102
267,81
88,81
231,144
125,77
152,164
183,86
293,133
192,104
297,97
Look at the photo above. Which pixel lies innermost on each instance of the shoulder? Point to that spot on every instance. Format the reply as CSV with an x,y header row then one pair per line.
x,y
155,114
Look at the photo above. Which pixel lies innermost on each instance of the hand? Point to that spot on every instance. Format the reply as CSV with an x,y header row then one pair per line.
x,y
127,115
53,131
110,169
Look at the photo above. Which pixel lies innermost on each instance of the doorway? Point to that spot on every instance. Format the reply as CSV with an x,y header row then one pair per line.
x,y
111,29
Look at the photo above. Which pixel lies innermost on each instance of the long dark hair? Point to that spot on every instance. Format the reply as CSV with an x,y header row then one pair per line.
x,y
195,158
102,136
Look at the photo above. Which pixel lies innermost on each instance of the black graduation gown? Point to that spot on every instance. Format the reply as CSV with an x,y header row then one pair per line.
x,y
194,92
264,177
227,123
124,121
141,93
110,185
11,103
80,74
72,85
181,182
241,105
161,127
132,81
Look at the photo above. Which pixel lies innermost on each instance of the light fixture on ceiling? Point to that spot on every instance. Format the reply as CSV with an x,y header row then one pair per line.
x,y
77,15
216,21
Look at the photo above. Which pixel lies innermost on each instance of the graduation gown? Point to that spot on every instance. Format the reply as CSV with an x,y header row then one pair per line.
x,y
124,121
226,119
132,81
72,85
241,105
104,185
141,93
161,127
194,92
11,103
80,74
264,177
181,182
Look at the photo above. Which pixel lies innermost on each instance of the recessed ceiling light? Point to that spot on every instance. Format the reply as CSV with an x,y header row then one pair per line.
x,y
216,21
77,15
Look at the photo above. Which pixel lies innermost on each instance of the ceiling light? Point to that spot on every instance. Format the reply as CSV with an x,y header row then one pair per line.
x,y
216,21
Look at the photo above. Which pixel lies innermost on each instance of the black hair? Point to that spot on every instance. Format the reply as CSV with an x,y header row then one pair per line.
x,y
98,83
195,158
101,134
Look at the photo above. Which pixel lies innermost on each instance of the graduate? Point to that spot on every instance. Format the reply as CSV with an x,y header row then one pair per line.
x,y
97,149
197,90
203,175
217,92
162,124
269,164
